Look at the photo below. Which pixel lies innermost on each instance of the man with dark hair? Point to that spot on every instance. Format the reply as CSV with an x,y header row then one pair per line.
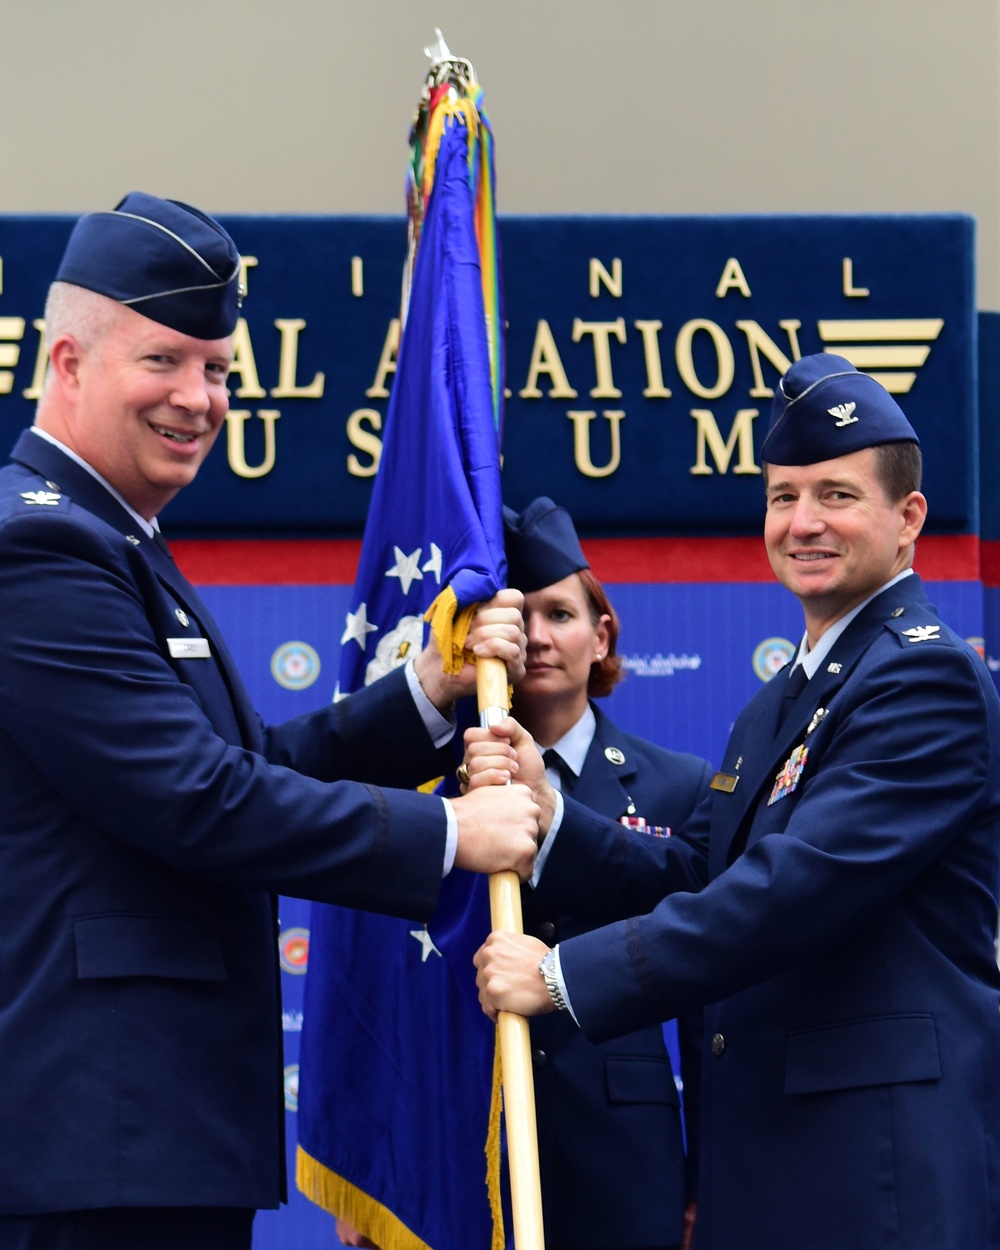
x,y
844,943
148,816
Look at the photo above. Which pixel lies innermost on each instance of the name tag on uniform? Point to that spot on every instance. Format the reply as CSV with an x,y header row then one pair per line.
x,y
189,648
726,782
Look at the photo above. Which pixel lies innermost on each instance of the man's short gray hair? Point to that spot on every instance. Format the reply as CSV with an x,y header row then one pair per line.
x,y
74,310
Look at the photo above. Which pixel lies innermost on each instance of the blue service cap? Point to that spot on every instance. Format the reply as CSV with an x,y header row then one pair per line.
x,y
542,546
824,408
165,259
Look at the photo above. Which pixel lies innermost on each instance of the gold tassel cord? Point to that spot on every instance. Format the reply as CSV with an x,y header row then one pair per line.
x,y
447,108
493,1151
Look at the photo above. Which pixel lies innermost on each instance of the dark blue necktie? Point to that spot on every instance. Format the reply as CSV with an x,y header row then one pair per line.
x,y
795,683
555,761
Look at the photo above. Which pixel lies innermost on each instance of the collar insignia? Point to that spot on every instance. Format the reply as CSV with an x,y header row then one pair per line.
x,y
40,497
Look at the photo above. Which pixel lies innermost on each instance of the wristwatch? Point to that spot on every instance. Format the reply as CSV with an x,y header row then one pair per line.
x,y
547,967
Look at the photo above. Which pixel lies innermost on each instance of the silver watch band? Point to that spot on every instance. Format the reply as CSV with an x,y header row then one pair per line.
x,y
546,966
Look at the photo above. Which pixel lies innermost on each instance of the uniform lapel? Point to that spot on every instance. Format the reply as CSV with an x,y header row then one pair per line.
x,y
603,785
66,476
767,751
748,758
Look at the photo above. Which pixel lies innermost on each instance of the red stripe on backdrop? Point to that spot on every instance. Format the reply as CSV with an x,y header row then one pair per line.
x,y
990,561
283,562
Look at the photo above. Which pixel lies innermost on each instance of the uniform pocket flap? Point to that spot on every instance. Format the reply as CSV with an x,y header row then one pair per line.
x,y
883,1050
146,946
640,1080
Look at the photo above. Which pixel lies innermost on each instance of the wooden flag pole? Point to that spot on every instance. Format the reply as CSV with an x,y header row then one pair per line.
x,y
515,1041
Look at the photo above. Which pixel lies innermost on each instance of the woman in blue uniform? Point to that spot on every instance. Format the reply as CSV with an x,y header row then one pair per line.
x,y
611,1147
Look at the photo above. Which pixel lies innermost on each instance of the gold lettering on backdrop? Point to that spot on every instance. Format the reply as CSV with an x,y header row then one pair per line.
x,y
599,277
725,363
581,442
601,330
732,279
365,441
246,264
357,277
545,359
654,388
710,438
34,391
11,334
236,442
849,287
288,364
387,362
244,363
759,341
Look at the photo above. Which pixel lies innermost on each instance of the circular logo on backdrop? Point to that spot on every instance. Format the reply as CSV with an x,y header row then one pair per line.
x,y
771,655
295,665
293,950
292,1087
978,645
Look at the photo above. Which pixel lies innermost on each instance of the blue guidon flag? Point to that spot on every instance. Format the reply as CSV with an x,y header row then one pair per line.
x,y
397,1057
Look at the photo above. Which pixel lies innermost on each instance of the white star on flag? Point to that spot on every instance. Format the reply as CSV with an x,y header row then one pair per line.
x,y
427,942
358,627
406,568
433,565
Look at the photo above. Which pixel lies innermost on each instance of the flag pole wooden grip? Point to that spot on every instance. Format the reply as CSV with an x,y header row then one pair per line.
x,y
512,1030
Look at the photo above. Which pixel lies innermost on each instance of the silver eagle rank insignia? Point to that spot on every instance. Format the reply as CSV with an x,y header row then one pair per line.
x,y
922,633
41,497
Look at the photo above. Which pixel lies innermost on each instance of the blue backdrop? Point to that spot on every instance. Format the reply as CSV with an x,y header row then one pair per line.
x,y
695,653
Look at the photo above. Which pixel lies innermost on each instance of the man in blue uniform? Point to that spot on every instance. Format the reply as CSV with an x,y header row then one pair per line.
x,y
147,814
845,940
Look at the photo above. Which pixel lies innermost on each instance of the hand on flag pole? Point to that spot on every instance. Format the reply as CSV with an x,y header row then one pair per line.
x,y
496,631
507,963
512,1030
412,1178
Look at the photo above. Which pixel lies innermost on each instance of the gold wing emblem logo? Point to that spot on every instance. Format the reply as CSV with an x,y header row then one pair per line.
x,y
891,351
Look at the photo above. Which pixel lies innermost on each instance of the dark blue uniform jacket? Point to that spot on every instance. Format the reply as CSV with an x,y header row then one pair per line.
x,y
146,818
845,942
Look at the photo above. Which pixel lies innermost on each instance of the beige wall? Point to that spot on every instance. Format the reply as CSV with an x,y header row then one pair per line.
x,y
651,106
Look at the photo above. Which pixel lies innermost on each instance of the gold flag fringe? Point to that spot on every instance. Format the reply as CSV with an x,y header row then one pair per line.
x,y
450,629
338,1196
333,1193
493,1151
